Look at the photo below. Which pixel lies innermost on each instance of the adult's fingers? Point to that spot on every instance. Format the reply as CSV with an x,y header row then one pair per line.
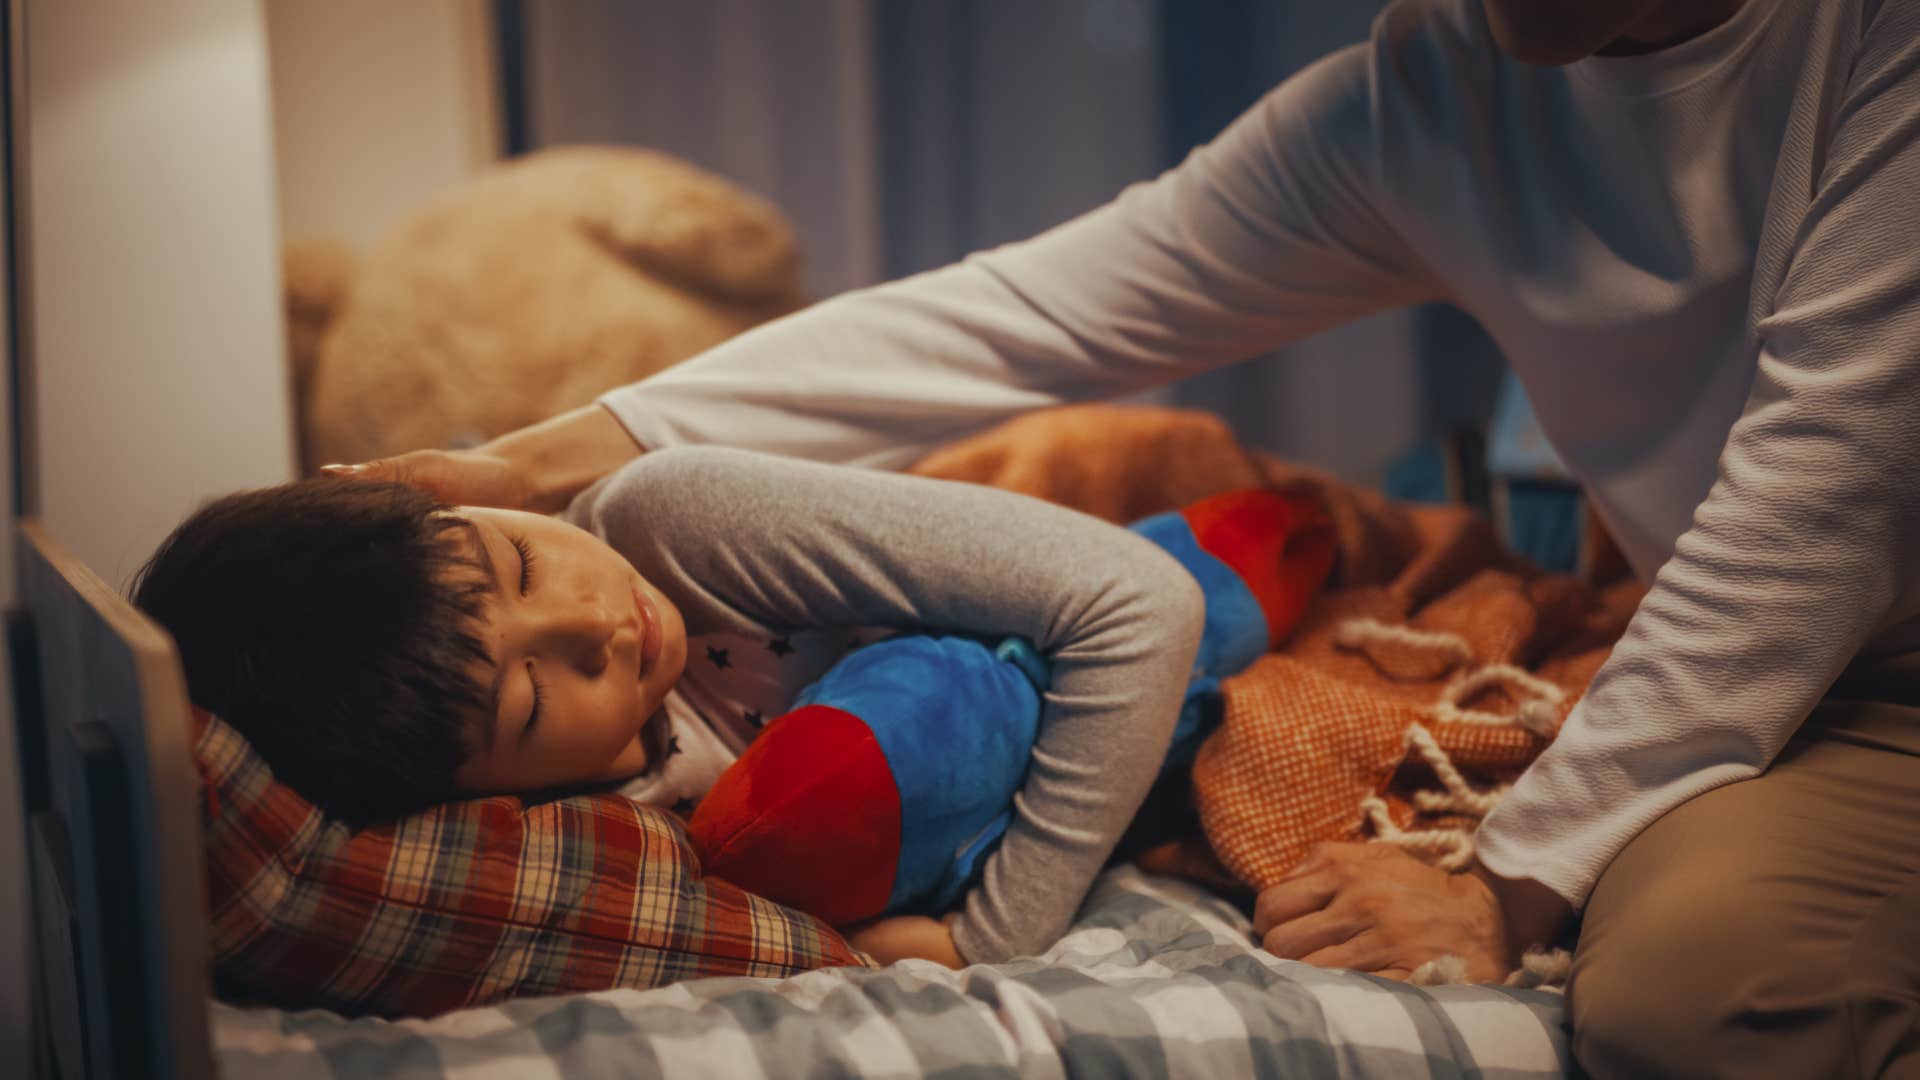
x,y
390,469
430,471
1370,952
1343,856
1319,857
1359,952
426,472
1291,899
1309,935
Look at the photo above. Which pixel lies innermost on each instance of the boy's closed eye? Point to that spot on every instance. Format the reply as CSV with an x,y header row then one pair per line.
x,y
533,714
525,552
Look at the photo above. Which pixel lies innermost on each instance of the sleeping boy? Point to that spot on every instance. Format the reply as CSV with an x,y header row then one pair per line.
x,y
384,652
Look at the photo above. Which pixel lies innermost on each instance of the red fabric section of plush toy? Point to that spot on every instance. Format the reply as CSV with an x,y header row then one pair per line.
x,y
1280,543
819,765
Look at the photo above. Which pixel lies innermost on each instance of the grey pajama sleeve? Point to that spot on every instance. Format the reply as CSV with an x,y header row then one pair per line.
x,y
747,543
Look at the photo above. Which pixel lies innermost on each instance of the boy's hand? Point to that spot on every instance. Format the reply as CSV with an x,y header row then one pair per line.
x,y
901,937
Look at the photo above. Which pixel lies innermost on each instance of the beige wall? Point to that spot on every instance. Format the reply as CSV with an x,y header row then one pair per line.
x,y
159,369
377,105
158,372
156,368
14,1002
155,374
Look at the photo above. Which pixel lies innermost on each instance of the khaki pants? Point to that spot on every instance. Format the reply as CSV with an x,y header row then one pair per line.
x,y
1771,927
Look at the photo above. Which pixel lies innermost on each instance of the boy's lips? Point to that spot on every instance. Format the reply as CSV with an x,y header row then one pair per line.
x,y
649,631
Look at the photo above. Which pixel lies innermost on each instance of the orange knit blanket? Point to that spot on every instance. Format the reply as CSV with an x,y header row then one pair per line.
x,y
1432,669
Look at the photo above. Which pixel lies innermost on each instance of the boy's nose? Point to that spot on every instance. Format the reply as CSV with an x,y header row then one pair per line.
x,y
583,635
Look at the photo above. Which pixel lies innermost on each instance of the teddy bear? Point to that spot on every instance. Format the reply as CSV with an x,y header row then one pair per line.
x,y
530,290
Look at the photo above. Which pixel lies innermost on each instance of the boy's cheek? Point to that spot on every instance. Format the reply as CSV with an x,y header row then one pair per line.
x,y
631,761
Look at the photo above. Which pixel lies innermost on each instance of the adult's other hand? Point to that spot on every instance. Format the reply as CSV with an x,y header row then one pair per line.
x,y
1374,908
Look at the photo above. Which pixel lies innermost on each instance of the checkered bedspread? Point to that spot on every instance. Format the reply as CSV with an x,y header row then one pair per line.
x,y
1155,979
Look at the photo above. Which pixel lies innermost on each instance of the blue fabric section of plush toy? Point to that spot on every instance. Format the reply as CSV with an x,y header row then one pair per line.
x,y
1236,628
956,723
1020,652
1200,712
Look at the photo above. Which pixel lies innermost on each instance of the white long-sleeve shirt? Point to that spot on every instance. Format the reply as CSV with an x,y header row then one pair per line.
x,y
1703,263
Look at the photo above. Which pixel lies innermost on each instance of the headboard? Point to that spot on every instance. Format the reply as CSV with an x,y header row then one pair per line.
x,y
113,832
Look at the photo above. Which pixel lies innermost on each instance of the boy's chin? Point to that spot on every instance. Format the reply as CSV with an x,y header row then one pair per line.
x,y
654,736
635,757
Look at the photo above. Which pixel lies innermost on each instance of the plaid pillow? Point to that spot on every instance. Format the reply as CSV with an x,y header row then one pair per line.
x,y
467,903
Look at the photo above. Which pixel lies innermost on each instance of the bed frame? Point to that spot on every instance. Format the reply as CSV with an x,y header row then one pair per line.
x,y
111,808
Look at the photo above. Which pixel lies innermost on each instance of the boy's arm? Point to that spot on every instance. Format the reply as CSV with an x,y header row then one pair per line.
x,y
750,543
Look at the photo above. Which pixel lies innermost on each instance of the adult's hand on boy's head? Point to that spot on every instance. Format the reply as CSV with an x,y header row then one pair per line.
x,y
455,477
539,468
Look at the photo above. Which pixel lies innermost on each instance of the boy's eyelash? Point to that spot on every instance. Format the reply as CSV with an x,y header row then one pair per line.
x,y
533,717
526,563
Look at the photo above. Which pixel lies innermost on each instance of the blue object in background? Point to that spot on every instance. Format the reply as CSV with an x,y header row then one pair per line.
x,y
1516,447
1537,504
1522,485
1542,520
1420,476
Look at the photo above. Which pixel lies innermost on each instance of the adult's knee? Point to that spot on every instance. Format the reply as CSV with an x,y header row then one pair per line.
x,y
1644,1006
1697,977
1883,987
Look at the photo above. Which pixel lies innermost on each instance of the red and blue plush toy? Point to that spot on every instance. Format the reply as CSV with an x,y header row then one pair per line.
x,y
891,780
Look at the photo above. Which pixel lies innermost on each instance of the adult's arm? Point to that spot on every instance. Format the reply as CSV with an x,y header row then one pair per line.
x,y
1805,549
747,543
1271,232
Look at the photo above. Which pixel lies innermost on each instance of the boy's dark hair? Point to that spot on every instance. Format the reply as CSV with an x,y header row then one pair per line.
x,y
333,623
